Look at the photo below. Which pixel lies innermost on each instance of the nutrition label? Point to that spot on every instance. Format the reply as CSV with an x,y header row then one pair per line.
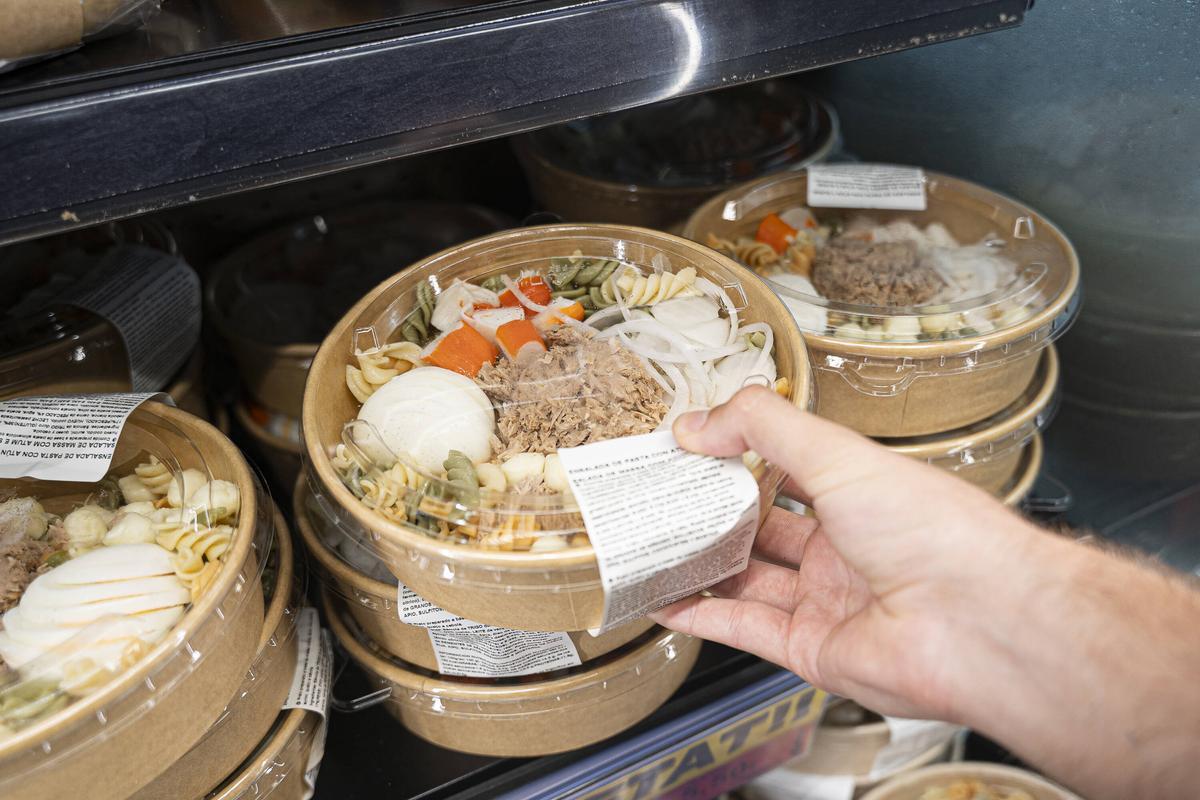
x,y
664,523
64,437
866,186
470,649
314,665
153,300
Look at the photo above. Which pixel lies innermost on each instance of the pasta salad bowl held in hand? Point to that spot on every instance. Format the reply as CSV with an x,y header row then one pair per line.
x,y
135,613
435,408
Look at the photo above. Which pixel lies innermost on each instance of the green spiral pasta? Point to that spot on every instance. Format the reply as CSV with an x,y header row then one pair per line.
x,y
578,278
416,326
460,474
494,284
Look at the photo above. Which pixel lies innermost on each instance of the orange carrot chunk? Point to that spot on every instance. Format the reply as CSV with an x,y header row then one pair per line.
x,y
775,232
534,287
513,337
462,349
559,309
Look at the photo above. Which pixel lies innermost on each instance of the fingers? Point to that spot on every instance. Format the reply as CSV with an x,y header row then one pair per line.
x,y
784,536
761,582
757,628
819,456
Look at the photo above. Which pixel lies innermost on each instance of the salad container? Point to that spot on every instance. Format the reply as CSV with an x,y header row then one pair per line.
x,y
111,737
62,329
858,743
355,580
896,359
652,166
1028,469
531,716
273,299
474,554
252,712
282,766
913,785
276,440
989,453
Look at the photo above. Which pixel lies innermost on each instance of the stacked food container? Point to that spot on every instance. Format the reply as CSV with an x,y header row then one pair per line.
x,y
852,751
652,166
109,705
929,329
273,299
176,585
106,309
425,465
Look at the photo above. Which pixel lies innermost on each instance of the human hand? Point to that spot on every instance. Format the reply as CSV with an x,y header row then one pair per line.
x,y
879,597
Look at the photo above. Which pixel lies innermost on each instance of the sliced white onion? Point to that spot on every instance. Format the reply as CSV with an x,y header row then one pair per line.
x,y
711,289
682,399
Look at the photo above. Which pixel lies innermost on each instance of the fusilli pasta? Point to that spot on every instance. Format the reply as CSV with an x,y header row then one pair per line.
x,y
154,475
379,365
416,327
461,475
388,492
647,290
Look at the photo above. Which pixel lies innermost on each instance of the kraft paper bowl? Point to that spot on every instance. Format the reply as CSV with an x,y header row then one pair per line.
x,y
277,768
562,185
250,714
910,786
148,717
527,717
373,604
850,747
990,453
543,591
1028,470
889,388
302,253
280,454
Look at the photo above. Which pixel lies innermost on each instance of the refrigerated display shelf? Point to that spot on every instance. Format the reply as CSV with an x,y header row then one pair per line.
x,y
218,97
734,717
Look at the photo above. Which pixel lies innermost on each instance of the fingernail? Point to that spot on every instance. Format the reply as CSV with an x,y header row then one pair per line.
x,y
692,421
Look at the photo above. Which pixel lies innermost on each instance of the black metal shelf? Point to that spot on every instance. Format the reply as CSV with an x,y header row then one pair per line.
x,y
219,97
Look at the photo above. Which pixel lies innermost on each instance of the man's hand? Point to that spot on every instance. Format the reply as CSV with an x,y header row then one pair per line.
x,y
919,595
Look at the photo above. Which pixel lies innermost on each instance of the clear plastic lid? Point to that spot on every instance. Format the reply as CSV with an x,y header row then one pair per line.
x,y
64,327
595,683
700,140
975,271
281,760
284,587
145,572
998,435
465,374
290,285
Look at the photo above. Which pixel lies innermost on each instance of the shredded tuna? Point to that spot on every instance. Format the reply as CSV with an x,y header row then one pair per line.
x,y
23,559
577,392
851,270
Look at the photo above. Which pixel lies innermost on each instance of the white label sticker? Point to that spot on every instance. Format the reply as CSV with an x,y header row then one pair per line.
x,y
866,186
664,523
70,437
316,752
910,738
474,650
314,666
783,784
153,300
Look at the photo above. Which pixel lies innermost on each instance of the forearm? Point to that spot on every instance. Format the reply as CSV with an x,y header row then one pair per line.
x,y
1090,663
